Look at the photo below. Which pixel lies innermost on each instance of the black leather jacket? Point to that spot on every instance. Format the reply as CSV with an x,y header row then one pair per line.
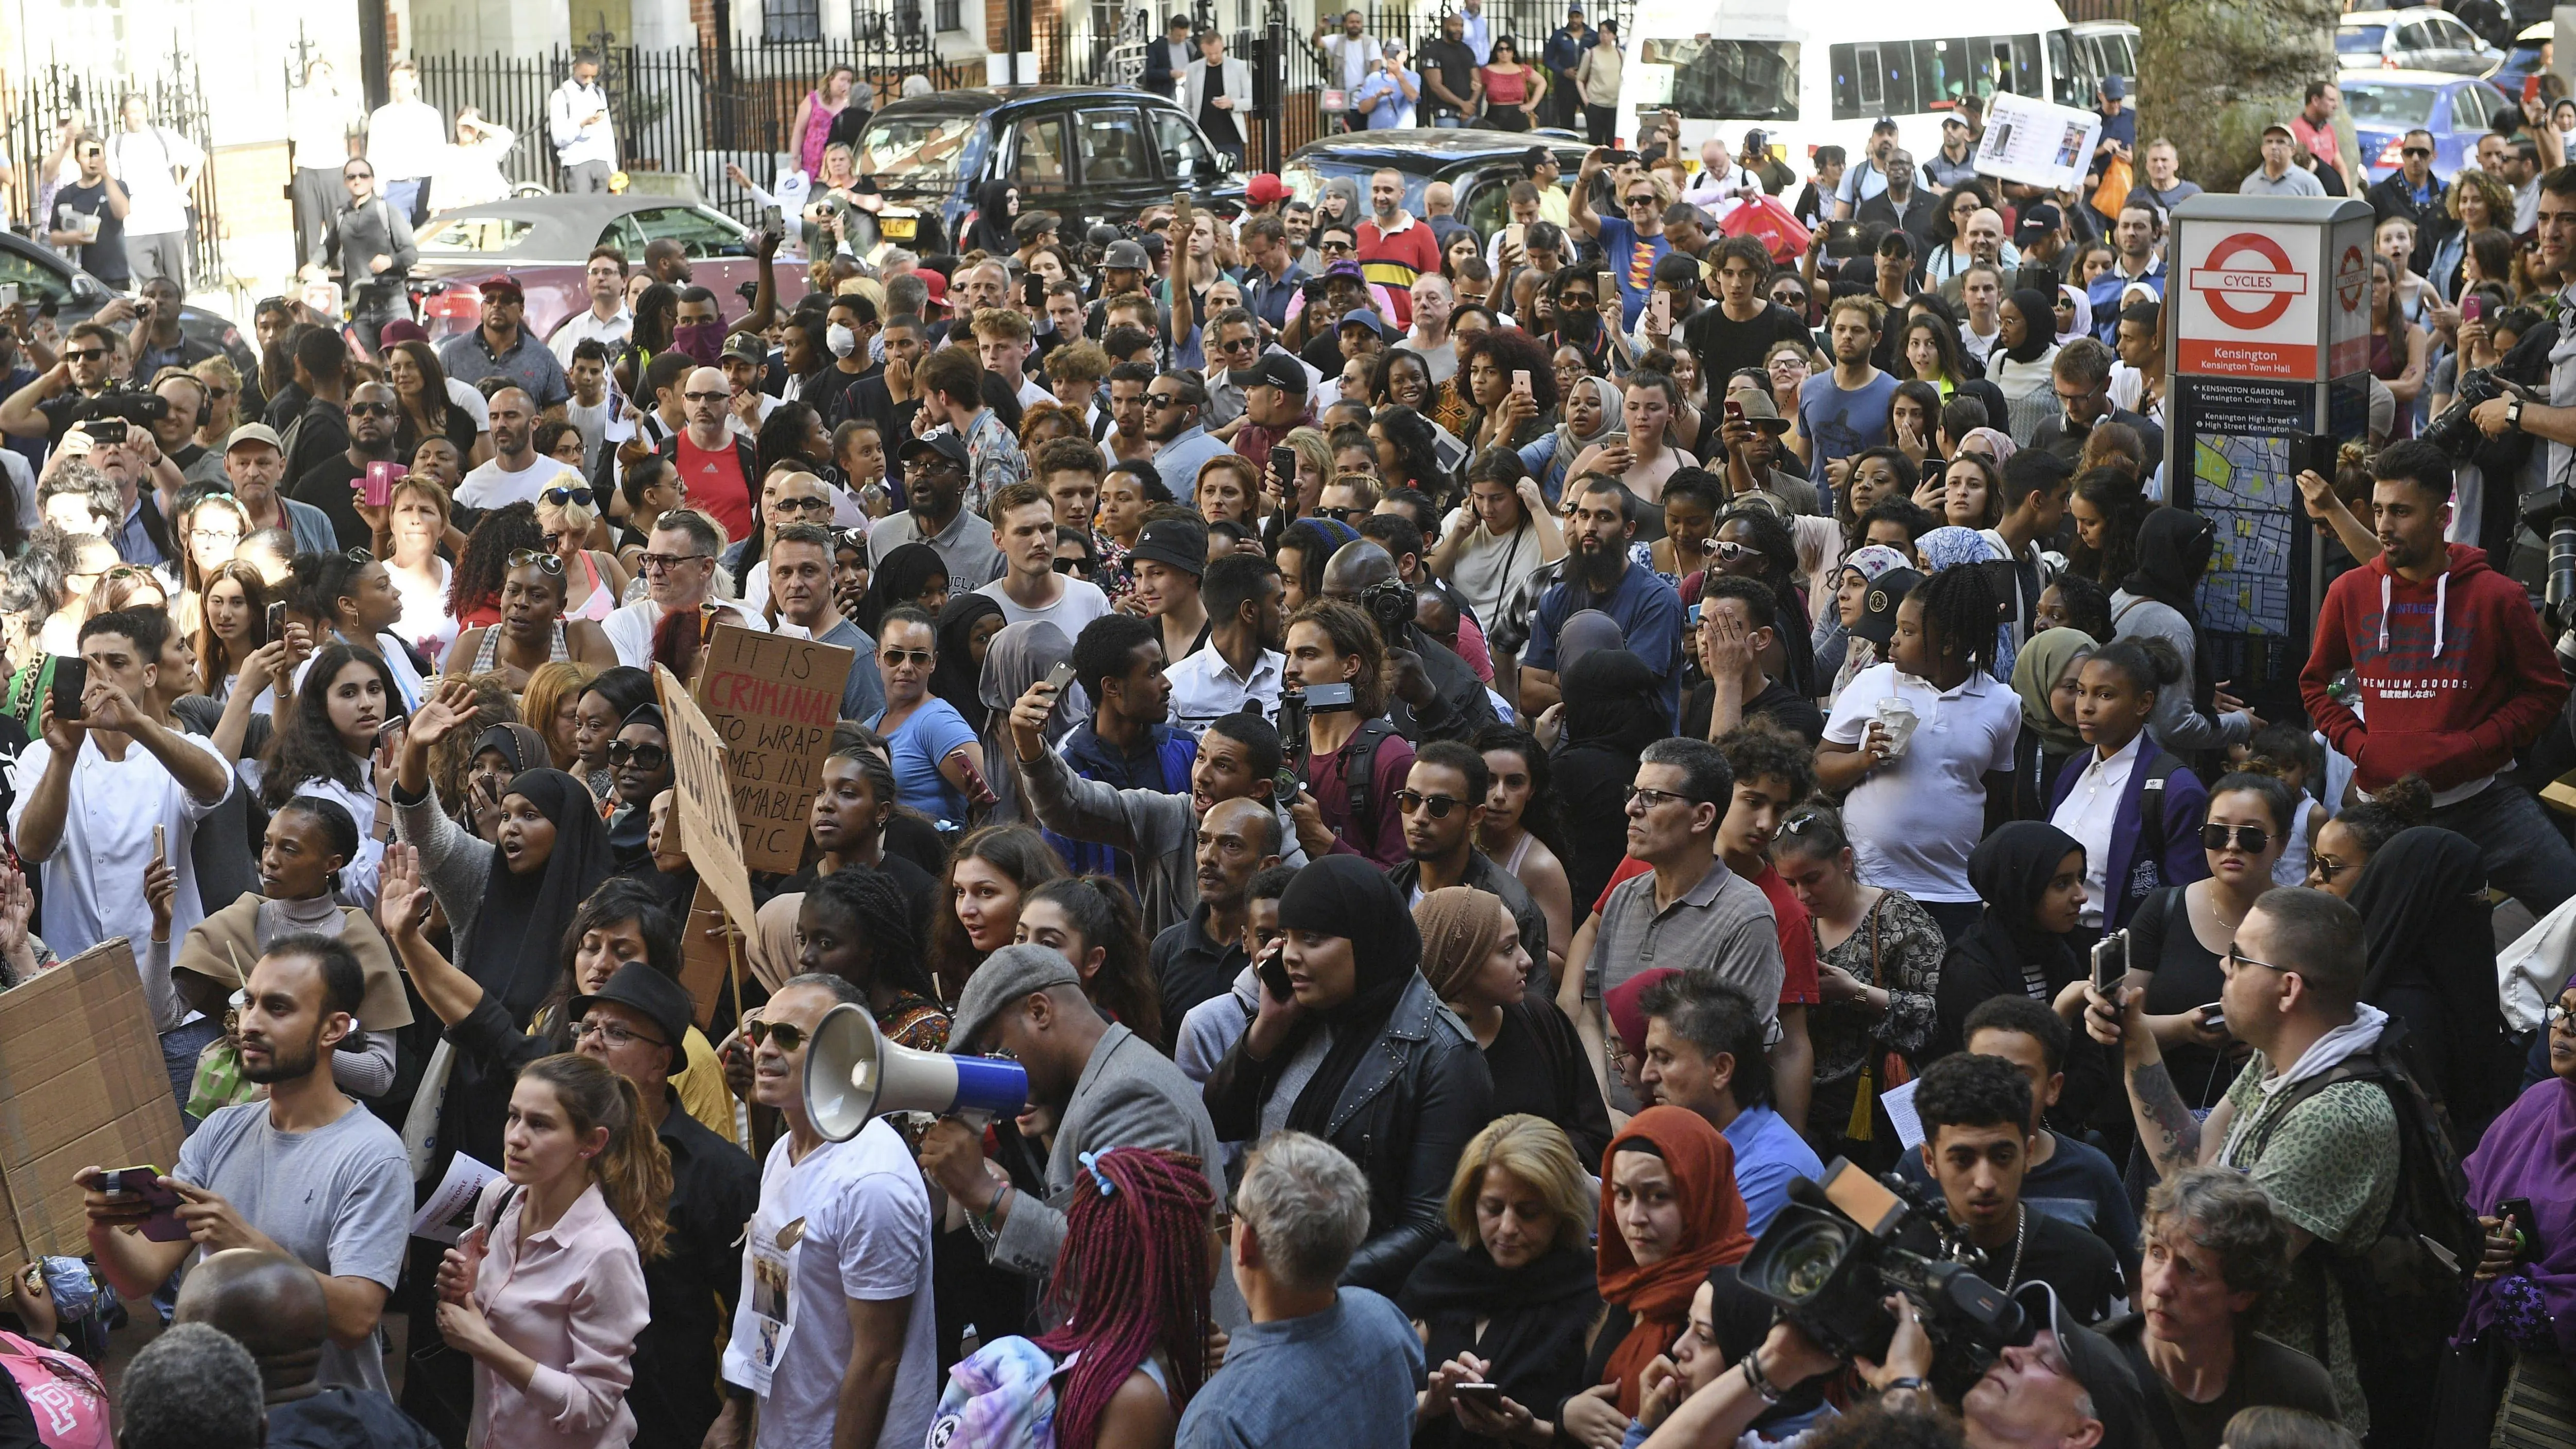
x,y
1404,1117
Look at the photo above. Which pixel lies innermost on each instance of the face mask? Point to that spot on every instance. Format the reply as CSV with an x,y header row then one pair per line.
x,y
699,341
841,340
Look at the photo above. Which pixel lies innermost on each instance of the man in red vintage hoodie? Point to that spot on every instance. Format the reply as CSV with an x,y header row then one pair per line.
x,y
2455,676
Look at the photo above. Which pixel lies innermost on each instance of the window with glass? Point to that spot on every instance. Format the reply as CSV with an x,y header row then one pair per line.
x,y
2360,39
917,148
1038,156
1186,157
700,232
1746,80
479,234
785,20
1911,77
1112,145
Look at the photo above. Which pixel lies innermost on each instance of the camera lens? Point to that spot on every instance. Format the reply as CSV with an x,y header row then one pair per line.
x,y
1805,1261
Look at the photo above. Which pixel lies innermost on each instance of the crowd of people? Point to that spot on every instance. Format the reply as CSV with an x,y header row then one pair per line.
x,y
1471,771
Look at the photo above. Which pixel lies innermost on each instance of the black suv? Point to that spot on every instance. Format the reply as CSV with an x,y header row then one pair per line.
x,y
1087,153
1479,165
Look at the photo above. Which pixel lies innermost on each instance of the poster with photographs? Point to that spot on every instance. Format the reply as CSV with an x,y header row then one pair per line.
x,y
2036,143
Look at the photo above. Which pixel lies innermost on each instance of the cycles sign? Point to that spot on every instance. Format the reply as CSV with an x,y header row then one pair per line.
x,y
2248,299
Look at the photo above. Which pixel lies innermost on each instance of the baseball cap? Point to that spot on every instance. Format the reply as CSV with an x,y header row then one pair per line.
x,y
502,289
255,433
1758,409
1364,317
2093,1361
747,346
1011,974
2114,88
1180,542
1273,369
662,1001
1035,223
935,282
2037,220
1955,119
1264,189
945,443
1878,606
2281,126
401,329
1127,253
1882,124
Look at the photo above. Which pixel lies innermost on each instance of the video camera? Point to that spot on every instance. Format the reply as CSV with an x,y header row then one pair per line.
x,y
141,409
1835,1252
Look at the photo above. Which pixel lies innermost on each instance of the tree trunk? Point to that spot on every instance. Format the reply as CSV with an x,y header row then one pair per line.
x,y
2213,73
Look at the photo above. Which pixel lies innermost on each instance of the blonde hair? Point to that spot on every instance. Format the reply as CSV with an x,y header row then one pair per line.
x,y
575,517
427,487
219,370
549,685
1537,1152
634,1170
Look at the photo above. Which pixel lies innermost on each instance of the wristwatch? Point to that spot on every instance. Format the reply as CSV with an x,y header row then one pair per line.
x,y
2513,413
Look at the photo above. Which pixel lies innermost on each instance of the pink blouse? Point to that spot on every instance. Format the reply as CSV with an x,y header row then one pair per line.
x,y
572,1298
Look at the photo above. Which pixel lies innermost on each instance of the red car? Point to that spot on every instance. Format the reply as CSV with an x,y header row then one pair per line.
x,y
545,241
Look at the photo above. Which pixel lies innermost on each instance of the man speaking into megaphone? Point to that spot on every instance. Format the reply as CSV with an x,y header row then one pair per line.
x,y
1107,1086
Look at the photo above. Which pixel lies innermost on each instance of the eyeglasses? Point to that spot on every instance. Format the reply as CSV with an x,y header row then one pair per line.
x,y
559,496
2241,959
2556,1012
2328,867
642,757
918,658
371,410
544,562
2249,838
1410,801
788,1038
208,535
706,396
652,562
1633,794
615,1033
804,503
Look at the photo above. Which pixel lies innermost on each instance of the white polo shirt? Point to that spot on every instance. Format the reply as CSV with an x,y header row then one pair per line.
x,y
1913,821
1205,686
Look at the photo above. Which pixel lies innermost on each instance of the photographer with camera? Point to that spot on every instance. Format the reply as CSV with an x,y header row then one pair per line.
x,y
48,407
1437,695
1977,1144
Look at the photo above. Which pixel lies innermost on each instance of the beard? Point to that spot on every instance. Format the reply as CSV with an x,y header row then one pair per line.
x,y
1595,566
286,1063
1579,326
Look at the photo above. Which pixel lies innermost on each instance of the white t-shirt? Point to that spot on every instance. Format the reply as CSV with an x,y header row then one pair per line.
x,y
469,397
865,1234
1913,821
493,486
1079,604
425,623
93,882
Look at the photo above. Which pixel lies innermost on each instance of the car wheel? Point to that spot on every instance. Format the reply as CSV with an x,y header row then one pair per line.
x,y
526,189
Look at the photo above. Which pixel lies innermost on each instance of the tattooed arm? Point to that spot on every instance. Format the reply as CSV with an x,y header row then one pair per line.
x,y
2172,1137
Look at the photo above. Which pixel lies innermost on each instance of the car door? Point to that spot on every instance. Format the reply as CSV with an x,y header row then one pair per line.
x,y
1189,163
1120,175
1037,159
2469,54
2412,42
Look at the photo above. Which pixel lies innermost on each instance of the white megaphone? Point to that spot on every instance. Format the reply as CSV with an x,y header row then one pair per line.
x,y
853,1074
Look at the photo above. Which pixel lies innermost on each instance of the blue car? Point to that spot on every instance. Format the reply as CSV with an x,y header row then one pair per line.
x,y
2386,104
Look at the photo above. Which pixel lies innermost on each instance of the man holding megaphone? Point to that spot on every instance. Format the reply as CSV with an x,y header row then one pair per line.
x,y
1107,1087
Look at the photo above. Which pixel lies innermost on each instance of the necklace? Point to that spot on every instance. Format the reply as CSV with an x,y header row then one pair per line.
x,y
2021,1231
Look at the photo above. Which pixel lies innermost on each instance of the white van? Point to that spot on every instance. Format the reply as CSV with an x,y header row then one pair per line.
x,y
1812,75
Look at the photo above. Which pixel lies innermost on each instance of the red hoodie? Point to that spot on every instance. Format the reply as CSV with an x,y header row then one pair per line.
x,y
2455,673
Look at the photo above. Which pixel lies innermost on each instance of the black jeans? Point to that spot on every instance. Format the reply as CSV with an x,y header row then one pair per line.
x,y
1599,122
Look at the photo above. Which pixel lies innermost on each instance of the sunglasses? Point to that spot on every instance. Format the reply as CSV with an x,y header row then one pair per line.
x,y
1163,400
1067,565
788,1038
545,562
2249,838
1331,247
2415,151
357,176
83,354
643,757
706,396
371,410
918,658
559,496
357,555
1410,801
806,504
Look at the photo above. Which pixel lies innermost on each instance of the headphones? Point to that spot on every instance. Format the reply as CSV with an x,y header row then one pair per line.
x,y
205,403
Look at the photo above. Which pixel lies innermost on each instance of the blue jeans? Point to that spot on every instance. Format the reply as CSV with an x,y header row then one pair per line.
x,y
2524,855
404,197
1449,123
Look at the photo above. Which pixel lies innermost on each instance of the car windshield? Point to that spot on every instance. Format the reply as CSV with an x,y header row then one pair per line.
x,y
1729,80
2386,106
479,234
917,149
2360,39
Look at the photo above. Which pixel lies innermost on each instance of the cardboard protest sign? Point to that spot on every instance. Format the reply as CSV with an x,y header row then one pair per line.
x,y
773,701
706,799
705,958
81,1074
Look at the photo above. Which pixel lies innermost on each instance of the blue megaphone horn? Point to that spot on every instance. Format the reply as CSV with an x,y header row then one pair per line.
x,y
853,1075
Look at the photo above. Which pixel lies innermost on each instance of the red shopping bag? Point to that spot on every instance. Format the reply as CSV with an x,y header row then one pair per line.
x,y
1764,218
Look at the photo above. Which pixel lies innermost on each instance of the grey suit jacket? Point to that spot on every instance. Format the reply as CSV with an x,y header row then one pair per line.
x,y
1237,83
1129,1095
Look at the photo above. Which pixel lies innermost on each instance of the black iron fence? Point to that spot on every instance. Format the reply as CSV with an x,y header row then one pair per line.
x,y
691,110
32,117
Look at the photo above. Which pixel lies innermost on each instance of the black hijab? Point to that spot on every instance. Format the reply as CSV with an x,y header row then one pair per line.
x,y
2431,944
899,578
991,232
957,678
517,950
1343,895
630,829
1613,700
2039,325
2010,871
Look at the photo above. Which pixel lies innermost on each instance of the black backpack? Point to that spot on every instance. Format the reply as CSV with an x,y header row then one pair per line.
x,y
1359,779
2404,1289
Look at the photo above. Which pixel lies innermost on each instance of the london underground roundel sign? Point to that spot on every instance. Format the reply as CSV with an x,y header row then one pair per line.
x,y
2249,280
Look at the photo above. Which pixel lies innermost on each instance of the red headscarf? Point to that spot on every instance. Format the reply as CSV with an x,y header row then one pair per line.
x,y
1714,1219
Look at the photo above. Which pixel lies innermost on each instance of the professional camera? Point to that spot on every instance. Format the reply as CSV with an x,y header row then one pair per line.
x,y
2453,432
1389,604
141,409
1835,1252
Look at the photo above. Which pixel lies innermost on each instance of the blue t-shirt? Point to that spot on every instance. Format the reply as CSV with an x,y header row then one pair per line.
x,y
1842,423
1649,614
932,734
1619,247
1393,111
1769,1155
1358,1361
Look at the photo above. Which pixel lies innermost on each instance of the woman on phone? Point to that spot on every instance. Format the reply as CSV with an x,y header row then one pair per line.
x,y
232,623
546,1293
2030,876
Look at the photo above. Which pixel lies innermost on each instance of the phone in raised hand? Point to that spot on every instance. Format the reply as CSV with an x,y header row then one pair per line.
x,y
1060,676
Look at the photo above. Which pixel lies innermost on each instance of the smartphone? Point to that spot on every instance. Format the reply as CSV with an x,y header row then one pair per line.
x,y
2518,1211
376,490
1609,288
1323,698
161,841
277,621
1734,411
1060,676
773,221
1283,467
1659,308
1274,975
1694,616
2213,1014
2530,88
1489,1395
1180,201
71,680
2110,961
1515,235
2472,308
1033,291
104,432
391,729
2317,453
145,1182
1521,381
8,294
